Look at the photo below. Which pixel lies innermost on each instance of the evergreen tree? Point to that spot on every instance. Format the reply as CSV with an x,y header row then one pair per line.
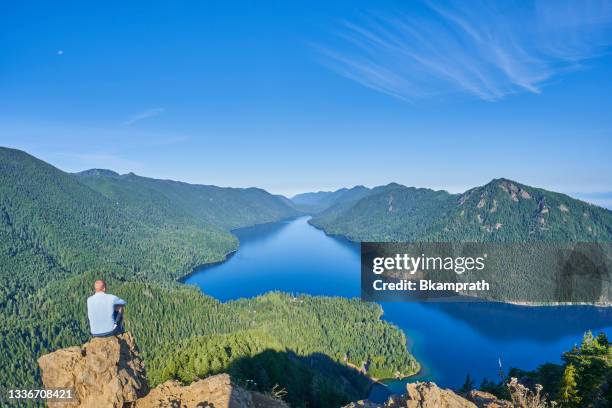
x,y
602,339
568,394
468,385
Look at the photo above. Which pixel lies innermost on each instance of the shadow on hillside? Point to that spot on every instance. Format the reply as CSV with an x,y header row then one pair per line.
x,y
313,380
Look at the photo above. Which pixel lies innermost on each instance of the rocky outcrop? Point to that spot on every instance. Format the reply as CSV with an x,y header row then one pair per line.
x,y
216,391
485,400
105,372
108,372
429,395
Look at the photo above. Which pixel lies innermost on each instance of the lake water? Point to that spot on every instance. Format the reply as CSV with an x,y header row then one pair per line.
x,y
449,339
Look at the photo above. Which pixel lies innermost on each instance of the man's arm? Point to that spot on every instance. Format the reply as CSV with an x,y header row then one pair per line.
x,y
119,302
118,305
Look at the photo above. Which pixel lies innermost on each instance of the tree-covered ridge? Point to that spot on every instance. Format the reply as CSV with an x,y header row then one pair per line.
x,y
75,228
223,207
59,232
102,220
302,343
389,213
501,211
507,211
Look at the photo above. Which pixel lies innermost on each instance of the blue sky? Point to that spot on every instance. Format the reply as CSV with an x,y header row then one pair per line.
x,y
295,96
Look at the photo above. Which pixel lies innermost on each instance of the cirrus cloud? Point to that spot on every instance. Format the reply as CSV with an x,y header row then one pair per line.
x,y
486,49
149,113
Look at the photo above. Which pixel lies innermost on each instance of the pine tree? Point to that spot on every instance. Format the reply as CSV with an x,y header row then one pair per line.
x,y
568,393
468,385
602,339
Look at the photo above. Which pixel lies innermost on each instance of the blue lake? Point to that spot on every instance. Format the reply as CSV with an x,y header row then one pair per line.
x,y
449,339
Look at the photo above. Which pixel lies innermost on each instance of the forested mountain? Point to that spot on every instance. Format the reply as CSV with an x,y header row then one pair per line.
x,y
227,208
314,203
123,223
500,211
60,231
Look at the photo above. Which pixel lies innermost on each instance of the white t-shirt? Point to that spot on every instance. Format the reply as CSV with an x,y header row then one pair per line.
x,y
100,311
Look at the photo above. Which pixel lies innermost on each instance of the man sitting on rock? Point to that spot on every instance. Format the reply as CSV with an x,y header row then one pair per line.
x,y
105,312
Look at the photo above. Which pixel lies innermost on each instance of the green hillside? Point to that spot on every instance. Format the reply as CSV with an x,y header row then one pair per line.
x,y
226,208
77,229
404,212
59,232
507,211
501,211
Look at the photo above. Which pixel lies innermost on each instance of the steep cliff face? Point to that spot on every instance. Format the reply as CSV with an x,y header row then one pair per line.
x,y
429,395
108,372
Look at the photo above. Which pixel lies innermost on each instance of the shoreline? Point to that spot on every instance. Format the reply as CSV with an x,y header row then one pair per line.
x,y
229,254
479,299
381,381
199,267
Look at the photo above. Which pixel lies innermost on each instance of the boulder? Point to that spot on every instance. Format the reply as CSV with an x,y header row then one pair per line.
x,y
429,395
485,400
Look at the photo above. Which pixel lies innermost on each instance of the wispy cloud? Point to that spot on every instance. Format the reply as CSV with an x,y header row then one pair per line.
x,y
149,113
485,49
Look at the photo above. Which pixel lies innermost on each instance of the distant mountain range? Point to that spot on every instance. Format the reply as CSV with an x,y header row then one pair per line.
x,y
500,211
